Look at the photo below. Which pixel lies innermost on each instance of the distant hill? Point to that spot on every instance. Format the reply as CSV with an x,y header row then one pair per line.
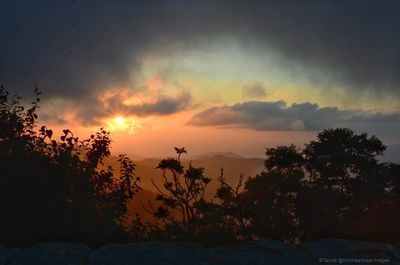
x,y
211,154
212,163
135,206
233,165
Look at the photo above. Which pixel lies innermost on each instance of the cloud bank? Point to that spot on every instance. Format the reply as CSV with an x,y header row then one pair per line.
x,y
278,116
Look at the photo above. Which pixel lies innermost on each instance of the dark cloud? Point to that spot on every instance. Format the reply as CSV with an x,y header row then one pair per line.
x,y
271,116
163,105
74,49
56,118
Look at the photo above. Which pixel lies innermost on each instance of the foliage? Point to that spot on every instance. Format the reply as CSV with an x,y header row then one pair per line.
x,y
335,187
338,184
54,190
182,193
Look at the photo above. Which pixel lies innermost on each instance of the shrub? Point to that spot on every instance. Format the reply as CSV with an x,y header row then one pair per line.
x,y
54,190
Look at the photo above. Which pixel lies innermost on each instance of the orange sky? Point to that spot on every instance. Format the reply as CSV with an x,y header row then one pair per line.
x,y
189,80
160,141
244,98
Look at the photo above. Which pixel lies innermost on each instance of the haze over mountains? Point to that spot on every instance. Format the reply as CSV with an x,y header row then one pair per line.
x,y
233,164
392,154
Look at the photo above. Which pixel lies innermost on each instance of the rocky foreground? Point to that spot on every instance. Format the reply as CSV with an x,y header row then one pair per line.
x,y
326,251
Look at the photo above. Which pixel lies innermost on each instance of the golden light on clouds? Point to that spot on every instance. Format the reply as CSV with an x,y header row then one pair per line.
x,y
122,124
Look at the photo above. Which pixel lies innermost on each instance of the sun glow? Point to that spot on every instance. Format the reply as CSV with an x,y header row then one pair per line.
x,y
121,123
119,120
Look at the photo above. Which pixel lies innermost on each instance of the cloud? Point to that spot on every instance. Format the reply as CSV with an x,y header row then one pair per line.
x,y
122,102
254,91
56,118
74,49
163,105
272,116
132,104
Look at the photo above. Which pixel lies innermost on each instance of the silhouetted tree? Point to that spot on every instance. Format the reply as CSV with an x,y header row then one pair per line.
x,y
183,188
344,174
335,187
266,205
182,192
338,180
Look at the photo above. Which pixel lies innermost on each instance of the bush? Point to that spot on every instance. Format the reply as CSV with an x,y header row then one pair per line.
x,y
53,190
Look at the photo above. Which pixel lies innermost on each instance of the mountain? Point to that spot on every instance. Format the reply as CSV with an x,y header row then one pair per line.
x,y
141,204
233,166
212,164
211,154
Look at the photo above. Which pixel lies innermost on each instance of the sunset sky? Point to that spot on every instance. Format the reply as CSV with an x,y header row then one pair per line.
x,y
208,75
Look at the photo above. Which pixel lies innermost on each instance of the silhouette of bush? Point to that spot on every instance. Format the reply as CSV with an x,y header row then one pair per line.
x,y
54,190
181,195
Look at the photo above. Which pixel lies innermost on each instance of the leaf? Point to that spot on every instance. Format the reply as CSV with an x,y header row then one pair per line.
x,y
49,133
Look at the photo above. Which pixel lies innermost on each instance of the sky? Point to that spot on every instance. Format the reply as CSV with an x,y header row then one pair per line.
x,y
208,75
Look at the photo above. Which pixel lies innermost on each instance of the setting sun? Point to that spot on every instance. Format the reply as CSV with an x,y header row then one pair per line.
x,y
122,123
119,120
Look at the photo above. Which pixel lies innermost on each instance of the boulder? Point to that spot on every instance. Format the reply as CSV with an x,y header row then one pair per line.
x,y
53,254
351,252
258,252
148,253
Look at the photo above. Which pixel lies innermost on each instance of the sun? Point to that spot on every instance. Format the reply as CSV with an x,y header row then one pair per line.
x,y
119,120
119,123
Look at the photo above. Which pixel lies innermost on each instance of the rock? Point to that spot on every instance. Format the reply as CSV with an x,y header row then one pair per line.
x,y
53,254
148,253
256,253
8,254
351,252
156,253
332,251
